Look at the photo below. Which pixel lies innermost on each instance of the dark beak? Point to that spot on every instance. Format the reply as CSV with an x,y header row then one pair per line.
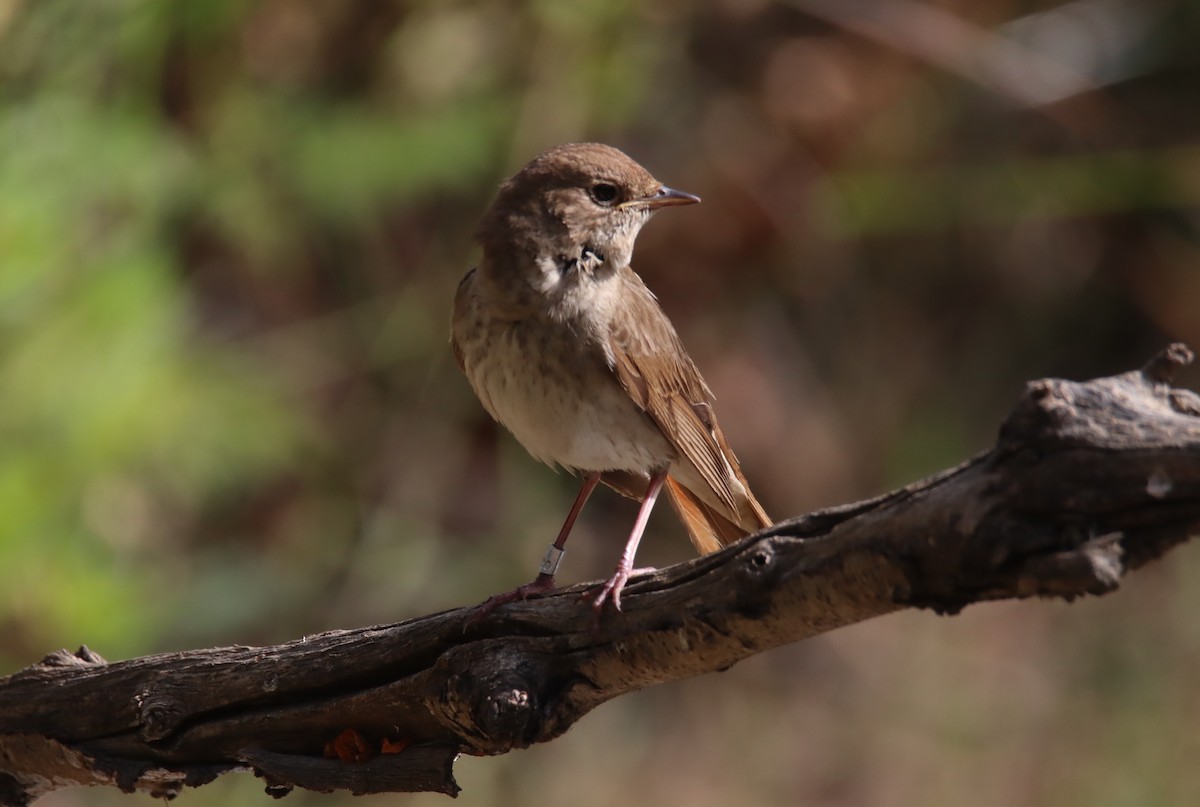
x,y
666,197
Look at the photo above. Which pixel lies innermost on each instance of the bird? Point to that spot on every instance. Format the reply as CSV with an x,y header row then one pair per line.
x,y
567,348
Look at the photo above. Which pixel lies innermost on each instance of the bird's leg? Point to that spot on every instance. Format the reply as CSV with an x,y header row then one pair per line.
x,y
612,588
545,580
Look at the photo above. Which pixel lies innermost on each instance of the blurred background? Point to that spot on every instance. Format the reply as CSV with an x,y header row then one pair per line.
x,y
230,232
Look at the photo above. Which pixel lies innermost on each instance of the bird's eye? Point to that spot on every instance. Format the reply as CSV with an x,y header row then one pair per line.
x,y
604,193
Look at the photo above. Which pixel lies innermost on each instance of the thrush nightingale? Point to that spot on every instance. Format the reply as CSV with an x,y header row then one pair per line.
x,y
564,345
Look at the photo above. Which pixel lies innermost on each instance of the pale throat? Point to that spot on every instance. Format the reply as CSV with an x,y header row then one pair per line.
x,y
589,262
586,288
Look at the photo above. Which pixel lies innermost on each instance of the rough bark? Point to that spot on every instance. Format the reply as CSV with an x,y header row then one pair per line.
x,y
1086,482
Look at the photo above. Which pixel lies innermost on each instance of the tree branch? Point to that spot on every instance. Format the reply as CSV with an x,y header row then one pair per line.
x,y
1086,482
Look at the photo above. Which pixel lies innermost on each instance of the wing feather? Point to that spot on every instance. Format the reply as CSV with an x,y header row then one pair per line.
x,y
653,368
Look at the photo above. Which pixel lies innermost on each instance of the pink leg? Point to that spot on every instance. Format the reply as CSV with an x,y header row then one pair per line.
x,y
612,588
545,580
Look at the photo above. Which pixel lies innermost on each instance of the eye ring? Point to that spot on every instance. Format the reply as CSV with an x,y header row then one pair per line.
x,y
604,193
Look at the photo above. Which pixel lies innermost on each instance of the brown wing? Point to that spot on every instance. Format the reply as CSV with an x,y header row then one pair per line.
x,y
457,313
650,363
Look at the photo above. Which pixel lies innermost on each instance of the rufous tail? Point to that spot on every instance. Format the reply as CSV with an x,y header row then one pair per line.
x,y
710,529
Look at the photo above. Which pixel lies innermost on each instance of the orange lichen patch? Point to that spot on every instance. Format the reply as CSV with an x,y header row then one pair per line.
x,y
393,746
349,746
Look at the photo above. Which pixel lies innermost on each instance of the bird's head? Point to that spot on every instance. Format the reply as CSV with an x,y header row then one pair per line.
x,y
579,206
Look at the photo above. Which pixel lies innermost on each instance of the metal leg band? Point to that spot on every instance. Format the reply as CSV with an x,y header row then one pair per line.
x,y
551,560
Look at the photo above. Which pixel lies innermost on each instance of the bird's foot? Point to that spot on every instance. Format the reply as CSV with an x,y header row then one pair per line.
x,y
611,590
542,584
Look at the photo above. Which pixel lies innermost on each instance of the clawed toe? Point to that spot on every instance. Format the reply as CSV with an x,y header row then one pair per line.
x,y
542,584
612,588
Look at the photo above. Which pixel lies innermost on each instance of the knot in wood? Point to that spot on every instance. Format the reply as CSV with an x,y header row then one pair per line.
x,y
158,714
494,696
506,712
759,562
504,705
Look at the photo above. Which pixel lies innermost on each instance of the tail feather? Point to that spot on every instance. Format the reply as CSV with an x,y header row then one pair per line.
x,y
708,528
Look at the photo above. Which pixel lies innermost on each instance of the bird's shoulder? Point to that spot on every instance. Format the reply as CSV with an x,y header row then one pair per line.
x,y
648,353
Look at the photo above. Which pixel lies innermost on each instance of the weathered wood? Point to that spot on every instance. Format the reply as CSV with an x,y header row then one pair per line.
x,y
1087,481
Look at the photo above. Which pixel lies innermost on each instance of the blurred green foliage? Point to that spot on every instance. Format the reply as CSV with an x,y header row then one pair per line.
x,y
230,232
